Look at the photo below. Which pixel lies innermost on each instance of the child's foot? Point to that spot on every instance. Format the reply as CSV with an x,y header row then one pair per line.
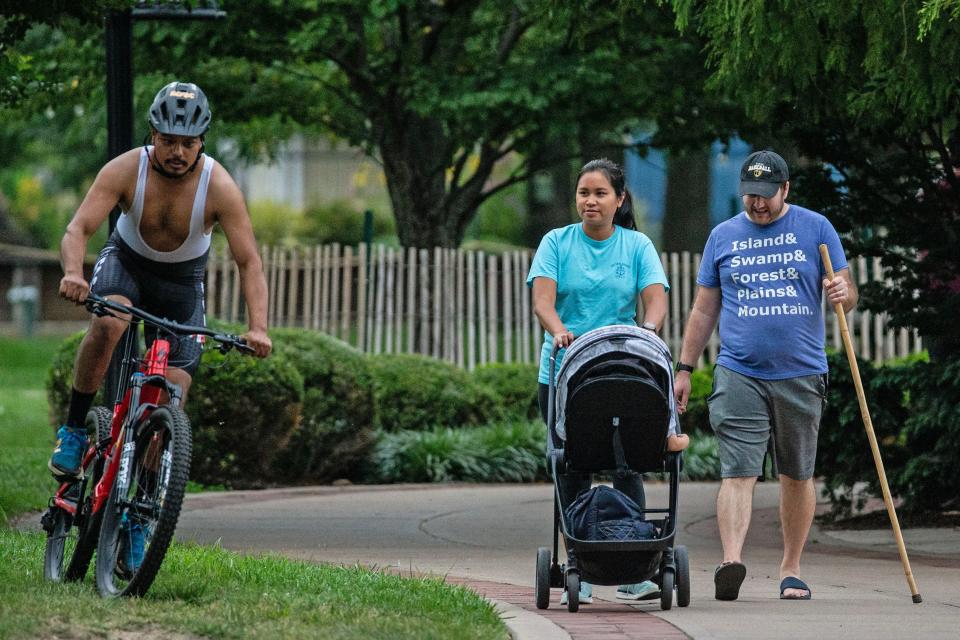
x,y
678,442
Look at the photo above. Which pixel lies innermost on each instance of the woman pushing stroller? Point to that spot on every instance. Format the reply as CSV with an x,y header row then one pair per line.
x,y
589,275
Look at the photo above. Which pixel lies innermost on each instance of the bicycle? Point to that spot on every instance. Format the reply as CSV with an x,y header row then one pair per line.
x,y
136,468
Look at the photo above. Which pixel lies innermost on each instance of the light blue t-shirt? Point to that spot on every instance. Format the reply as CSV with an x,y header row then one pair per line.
x,y
597,281
771,321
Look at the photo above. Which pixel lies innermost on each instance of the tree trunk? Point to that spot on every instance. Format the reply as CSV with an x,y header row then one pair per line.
x,y
429,212
686,221
549,191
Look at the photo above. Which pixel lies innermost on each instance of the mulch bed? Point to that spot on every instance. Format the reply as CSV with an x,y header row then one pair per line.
x,y
880,520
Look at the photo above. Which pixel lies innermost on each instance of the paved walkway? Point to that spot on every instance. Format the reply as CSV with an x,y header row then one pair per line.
x,y
486,536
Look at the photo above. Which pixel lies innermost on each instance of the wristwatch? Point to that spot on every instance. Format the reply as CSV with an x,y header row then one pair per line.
x,y
684,367
649,326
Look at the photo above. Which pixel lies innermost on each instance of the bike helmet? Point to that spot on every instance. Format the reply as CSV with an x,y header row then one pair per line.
x,y
180,109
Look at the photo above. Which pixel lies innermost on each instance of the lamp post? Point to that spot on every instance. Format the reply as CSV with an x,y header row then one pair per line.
x,y
119,54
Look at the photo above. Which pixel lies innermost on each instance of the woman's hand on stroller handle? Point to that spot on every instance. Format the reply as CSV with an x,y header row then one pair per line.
x,y
562,340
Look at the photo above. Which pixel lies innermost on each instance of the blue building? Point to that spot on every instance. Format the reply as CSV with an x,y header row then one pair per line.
x,y
647,180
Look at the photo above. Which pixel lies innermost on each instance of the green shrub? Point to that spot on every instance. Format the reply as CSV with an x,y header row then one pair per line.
x,y
60,379
492,453
243,411
337,426
915,412
340,221
701,460
696,419
415,392
515,386
500,219
274,222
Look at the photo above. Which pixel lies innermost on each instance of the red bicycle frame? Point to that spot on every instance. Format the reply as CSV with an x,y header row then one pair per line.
x,y
146,394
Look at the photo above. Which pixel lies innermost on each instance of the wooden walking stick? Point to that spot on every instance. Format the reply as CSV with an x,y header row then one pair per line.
x,y
868,425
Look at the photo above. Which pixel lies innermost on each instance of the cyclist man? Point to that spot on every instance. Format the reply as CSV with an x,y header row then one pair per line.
x,y
171,194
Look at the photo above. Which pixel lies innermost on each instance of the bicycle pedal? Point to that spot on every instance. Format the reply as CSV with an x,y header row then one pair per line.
x,y
61,477
46,521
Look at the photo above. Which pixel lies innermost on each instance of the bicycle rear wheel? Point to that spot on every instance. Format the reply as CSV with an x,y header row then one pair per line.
x,y
141,515
75,536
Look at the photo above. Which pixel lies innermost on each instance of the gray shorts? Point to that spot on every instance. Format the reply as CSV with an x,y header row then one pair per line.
x,y
750,416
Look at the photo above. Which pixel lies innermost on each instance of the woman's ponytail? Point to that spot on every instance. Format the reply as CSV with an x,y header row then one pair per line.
x,y
624,215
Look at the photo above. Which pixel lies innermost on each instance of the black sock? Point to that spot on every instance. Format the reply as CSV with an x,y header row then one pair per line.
x,y
79,406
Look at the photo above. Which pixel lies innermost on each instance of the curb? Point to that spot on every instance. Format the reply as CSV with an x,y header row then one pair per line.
x,y
525,625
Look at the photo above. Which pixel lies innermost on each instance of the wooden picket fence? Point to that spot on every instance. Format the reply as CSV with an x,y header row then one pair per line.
x,y
466,307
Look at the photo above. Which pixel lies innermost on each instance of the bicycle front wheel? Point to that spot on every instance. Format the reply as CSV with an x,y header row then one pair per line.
x,y
141,513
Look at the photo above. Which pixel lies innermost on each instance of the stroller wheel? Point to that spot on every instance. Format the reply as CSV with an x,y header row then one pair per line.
x,y
666,589
542,584
683,575
573,592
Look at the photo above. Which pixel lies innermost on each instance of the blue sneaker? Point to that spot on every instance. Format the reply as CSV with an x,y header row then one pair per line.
x,y
646,590
130,551
586,594
68,454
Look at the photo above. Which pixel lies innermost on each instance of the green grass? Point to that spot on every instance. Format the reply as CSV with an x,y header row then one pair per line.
x,y
199,591
26,437
209,592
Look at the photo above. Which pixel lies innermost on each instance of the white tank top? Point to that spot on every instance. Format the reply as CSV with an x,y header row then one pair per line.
x,y
197,242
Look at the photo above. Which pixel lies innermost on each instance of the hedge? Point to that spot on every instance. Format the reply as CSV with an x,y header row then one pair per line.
x,y
696,419
243,412
338,408
915,410
515,386
414,392
60,380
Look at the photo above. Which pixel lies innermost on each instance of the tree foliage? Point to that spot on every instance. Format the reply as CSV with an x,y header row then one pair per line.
x,y
438,92
22,77
864,90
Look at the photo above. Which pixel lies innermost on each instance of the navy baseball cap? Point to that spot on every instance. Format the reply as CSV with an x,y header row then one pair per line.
x,y
762,174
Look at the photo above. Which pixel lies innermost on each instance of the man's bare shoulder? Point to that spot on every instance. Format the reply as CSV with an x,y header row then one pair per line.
x,y
223,190
122,167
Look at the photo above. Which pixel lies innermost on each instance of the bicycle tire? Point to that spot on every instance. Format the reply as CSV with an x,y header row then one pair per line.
x,y
79,548
58,540
166,485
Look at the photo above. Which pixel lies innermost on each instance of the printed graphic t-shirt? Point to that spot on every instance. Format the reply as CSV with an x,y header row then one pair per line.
x,y
771,321
597,281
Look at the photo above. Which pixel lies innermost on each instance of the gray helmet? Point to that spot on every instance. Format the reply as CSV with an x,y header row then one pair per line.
x,y
180,109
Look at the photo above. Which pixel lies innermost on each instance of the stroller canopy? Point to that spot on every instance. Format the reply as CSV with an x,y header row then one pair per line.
x,y
614,341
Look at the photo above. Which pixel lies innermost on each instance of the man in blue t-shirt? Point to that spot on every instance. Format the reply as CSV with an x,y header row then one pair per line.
x,y
762,277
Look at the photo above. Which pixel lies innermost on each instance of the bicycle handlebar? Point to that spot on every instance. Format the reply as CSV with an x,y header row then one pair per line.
x,y
103,307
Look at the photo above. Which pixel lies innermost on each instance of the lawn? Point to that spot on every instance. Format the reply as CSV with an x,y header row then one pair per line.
x,y
26,437
209,592
200,591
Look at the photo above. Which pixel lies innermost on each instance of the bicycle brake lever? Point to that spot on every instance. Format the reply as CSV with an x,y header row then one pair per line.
x,y
100,311
245,348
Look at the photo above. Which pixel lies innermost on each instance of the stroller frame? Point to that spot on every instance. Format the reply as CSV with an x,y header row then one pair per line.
x,y
613,561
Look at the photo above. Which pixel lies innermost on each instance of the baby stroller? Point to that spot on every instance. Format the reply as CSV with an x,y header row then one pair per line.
x,y
610,409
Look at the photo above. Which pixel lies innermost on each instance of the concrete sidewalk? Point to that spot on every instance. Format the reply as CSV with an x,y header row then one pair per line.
x,y
487,535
